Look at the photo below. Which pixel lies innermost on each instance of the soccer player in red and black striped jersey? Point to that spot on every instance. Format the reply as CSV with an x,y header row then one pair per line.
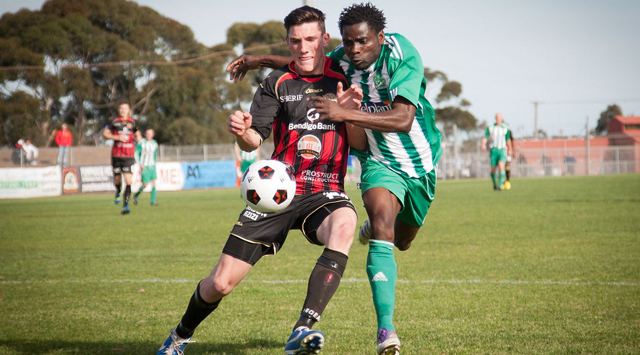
x,y
317,150
122,131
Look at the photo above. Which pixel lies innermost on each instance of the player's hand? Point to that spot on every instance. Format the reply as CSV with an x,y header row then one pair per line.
x,y
328,109
239,123
350,98
239,67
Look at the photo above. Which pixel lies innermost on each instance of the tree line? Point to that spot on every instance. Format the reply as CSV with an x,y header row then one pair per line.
x,y
73,61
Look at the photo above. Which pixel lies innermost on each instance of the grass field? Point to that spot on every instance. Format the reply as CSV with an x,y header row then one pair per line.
x,y
552,266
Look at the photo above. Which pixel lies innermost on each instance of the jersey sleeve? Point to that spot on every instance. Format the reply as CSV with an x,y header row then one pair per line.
x,y
408,70
138,152
155,152
265,107
336,54
486,132
509,135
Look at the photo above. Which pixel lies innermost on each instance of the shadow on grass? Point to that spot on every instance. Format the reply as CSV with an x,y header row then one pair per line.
x,y
20,346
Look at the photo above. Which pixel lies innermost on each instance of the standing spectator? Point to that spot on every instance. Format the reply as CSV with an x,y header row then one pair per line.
x,y
18,154
64,140
30,152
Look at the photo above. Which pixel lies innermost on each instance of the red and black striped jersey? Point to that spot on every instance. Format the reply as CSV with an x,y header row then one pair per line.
x,y
124,128
316,149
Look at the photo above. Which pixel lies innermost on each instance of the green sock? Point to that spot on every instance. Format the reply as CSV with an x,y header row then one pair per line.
x,y
153,195
139,191
503,177
493,180
383,273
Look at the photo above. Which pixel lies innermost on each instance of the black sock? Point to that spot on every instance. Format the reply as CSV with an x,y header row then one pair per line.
x,y
118,189
323,283
127,194
196,312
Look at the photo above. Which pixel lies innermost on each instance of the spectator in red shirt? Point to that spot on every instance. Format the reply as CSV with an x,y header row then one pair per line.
x,y
64,140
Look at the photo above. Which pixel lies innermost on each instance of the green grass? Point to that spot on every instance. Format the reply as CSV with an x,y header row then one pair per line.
x,y
552,266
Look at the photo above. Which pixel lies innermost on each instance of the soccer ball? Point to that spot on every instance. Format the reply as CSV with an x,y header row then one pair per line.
x,y
268,186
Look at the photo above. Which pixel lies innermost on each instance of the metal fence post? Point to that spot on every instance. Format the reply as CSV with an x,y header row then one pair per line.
x,y
204,151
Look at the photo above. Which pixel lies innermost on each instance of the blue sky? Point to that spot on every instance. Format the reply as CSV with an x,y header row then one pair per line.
x,y
574,56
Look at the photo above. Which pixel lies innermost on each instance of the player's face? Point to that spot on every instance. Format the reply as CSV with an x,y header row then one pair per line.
x,y
499,119
149,134
362,44
306,43
124,110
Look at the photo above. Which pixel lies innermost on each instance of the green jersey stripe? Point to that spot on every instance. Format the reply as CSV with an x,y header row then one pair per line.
x,y
398,71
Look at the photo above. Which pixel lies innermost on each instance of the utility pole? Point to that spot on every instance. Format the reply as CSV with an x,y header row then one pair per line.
x,y
587,147
535,118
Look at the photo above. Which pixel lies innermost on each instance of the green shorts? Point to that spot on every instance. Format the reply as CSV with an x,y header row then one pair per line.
x,y
415,194
244,165
148,174
497,155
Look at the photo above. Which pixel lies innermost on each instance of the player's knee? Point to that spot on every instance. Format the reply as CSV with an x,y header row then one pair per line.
x,y
221,286
382,228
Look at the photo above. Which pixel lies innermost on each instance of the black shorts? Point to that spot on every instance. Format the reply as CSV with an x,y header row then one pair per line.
x,y
256,234
122,165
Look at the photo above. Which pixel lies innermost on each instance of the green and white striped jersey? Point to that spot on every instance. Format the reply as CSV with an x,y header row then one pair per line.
x,y
497,135
397,72
147,152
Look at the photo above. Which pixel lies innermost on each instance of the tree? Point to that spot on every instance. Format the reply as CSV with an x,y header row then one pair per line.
x,y
451,108
607,115
78,58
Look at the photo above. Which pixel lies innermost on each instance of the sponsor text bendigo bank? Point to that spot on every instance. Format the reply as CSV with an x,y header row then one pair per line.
x,y
312,126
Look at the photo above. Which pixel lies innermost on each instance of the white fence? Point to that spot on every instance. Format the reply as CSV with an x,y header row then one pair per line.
x,y
453,165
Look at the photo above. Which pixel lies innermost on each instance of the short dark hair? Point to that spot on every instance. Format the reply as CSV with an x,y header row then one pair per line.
x,y
364,12
304,14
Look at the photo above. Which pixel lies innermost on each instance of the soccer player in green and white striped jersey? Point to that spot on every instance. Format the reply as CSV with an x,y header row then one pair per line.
x,y
398,173
147,156
497,139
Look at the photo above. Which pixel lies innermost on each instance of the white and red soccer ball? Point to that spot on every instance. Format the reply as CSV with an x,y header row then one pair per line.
x,y
268,186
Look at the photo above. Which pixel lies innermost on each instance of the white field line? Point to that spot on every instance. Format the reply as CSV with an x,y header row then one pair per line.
x,y
349,280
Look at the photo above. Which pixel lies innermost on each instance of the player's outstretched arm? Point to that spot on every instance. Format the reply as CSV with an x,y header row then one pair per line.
x,y
398,119
239,67
240,126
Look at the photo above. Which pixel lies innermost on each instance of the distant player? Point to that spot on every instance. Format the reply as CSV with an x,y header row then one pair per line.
x,y
244,159
507,165
147,156
497,140
317,151
122,130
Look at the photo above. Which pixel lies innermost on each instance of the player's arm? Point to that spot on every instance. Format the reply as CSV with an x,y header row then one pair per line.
x,y
240,126
138,152
107,133
483,145
239,67
398,119
510,151
356,137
